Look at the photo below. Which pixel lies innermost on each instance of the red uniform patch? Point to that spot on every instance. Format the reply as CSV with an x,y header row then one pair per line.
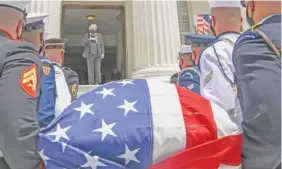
x,y
29,80
46,69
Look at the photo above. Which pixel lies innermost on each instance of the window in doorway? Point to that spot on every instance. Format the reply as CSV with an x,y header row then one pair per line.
x,y
184,18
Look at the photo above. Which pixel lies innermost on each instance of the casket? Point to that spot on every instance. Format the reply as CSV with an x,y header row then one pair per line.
x,y
141,124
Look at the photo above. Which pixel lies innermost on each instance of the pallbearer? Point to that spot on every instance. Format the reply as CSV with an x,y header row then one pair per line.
x,y
257,63
215,63
54,51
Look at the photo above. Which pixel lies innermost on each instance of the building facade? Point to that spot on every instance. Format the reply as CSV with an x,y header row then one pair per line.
x,y
152,30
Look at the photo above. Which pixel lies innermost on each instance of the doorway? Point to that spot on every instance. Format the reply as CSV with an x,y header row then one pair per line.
x,y
111,24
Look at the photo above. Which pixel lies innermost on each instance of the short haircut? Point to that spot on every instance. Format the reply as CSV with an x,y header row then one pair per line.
x,y
13,17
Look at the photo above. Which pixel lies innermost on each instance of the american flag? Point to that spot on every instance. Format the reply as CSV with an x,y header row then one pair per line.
x,y
203,24
140,124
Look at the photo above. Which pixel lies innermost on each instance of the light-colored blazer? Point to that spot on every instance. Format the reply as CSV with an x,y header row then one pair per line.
x,y
94,46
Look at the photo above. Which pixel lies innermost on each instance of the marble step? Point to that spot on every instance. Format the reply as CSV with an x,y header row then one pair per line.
x,y
85,88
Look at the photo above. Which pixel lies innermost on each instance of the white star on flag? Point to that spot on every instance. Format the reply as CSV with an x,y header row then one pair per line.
x,y
128,106
43,156
60,133
83,109
106,130
129,155
92,162
126,82
106,92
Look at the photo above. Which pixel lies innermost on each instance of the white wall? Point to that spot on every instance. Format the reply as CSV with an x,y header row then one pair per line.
x,y
76,39
53,8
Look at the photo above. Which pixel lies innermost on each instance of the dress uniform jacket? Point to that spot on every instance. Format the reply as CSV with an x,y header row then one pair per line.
x,y
217,75
258,71
63,98
72,82
20,78
46,110
189,78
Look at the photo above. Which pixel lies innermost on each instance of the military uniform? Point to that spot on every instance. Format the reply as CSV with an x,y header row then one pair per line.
x,y
258,69
189,78
21,73
63,98
48,93
198,43
217,71
46,111
72,81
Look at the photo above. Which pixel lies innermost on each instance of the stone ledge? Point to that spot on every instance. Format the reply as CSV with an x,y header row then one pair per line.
x,y
85,88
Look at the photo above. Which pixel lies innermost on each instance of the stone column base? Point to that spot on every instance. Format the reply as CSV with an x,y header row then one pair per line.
x,y
159,72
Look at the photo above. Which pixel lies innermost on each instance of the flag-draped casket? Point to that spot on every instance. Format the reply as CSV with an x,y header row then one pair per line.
x,y
140,124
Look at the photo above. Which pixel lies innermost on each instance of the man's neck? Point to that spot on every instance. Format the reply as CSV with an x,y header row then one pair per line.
x,y
222,32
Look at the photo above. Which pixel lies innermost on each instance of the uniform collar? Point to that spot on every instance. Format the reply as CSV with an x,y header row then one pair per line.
x,y
269,17
224,34
57,64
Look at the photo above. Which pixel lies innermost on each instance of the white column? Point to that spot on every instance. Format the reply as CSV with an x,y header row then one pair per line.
x,y
156,36
129,39
119,56
54,9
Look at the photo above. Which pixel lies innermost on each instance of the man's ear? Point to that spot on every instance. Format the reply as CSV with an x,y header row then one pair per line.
x,y
20,28
62,55
242,19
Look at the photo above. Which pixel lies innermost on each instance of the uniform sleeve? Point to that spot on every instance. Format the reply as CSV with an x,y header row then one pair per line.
x,y
19,88
63,99
259,82
213,85
102,43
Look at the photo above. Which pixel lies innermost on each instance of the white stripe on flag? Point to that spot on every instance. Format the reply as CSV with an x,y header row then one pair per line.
x,y
169,134
225,127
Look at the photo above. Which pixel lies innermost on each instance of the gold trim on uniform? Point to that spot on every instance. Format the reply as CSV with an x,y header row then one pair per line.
x,y
73,89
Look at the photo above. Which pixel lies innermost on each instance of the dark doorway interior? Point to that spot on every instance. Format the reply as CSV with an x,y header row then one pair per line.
x,y
75,25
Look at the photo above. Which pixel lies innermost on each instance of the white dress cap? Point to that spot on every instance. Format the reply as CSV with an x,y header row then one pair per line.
x,y
19,5
226,4
185,49
35,17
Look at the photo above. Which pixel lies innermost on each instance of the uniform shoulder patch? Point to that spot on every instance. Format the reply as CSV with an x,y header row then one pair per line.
x,y
29,80
250,35
73,89
46,69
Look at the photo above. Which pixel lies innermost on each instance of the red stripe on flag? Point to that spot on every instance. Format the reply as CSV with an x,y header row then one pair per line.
x,y
210,155
198,117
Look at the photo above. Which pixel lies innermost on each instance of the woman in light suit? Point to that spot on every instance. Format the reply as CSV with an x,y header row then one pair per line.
x,y
94,52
